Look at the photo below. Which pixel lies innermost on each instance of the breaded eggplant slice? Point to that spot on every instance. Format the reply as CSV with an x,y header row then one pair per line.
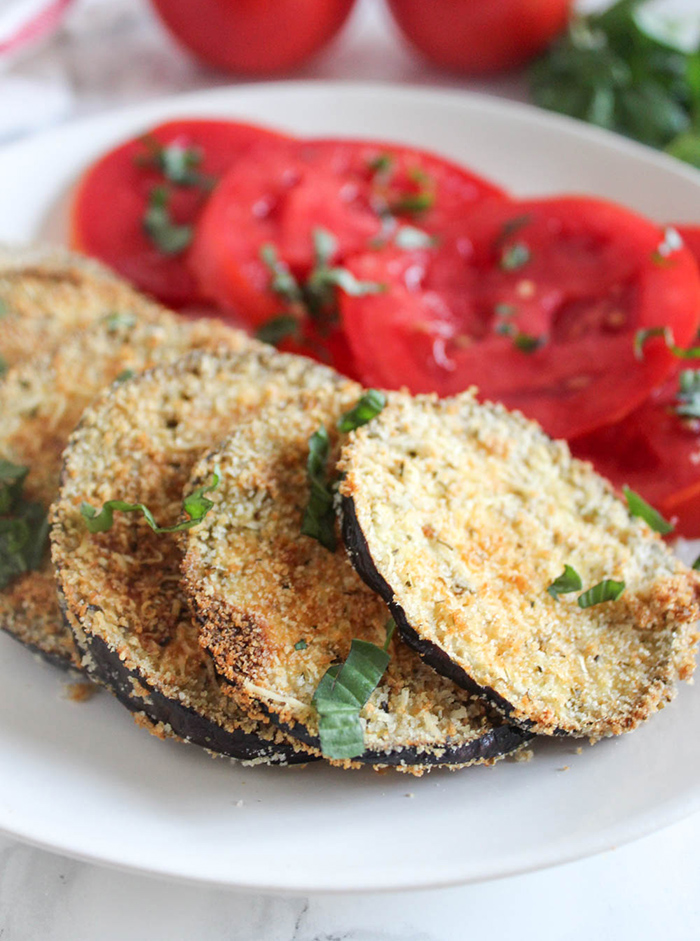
x,y
121,589
47,293
462,516
41,401
276,608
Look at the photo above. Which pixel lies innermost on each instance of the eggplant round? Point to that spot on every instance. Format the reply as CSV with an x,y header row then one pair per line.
x,y
462,515
276,608
122,587
47,293
41,402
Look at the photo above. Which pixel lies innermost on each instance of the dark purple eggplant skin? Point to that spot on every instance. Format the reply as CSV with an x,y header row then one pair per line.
x,y
361,558
499,741
109,671
62,663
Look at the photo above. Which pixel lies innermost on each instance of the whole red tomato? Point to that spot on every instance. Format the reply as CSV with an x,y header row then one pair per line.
x,y
254,36
480,35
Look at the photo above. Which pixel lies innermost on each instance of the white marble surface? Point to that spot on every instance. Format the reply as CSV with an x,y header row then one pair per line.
x,y
111,53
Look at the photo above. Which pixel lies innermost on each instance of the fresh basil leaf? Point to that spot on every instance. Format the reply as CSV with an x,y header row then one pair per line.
x,y
23,525
325,246
515,256
568,581
196,506
527,343
118,319
276,329
637,506
688,397
369,406
607,590
12,477
168,237
408,237
319,515
342,694
412,204
282,281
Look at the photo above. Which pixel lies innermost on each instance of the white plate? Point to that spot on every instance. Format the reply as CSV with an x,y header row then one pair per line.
x,y
83,780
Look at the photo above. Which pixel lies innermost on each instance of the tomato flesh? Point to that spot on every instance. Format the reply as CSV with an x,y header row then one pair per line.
x,y
281,196
112,197
654,450
537,303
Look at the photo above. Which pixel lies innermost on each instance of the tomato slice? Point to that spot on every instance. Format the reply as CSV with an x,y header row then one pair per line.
x,y
112,197
654,450
537,303
281,196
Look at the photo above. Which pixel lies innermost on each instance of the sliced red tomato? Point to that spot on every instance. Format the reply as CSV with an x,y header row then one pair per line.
x,y
113,196
537,303
654,450
280,197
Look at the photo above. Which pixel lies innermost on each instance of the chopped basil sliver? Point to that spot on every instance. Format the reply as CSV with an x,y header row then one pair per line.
x,y
124,375
115,320
696,564
381,164
177,162
688,398
412,203
4,309
348,283
319,516
23,525
342,693
607,590
639,507
515,256
282,281
196,506
512,226
325,246
3,365
276,329
642,336
504,329
568,581
301,645
369,406
527,343
168,237
409,237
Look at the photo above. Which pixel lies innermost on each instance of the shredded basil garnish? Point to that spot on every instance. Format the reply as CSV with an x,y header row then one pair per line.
x,y
688,397
178,163
301,644
23,525
409,237
696,564
607,590
527,343
639,507
568,581
4,309
3,365
319,516
505,310
168,237
369,406
511,226
344,691
642,336
124,375
515,256
381,165
412,204
117,319
196,506
317,296
276,329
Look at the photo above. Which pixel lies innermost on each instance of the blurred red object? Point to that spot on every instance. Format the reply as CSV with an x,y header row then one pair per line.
x,y
476,36
25,23
254,37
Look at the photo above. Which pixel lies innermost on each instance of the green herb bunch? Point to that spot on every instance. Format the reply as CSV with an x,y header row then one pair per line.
x,y
629,69
23,525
